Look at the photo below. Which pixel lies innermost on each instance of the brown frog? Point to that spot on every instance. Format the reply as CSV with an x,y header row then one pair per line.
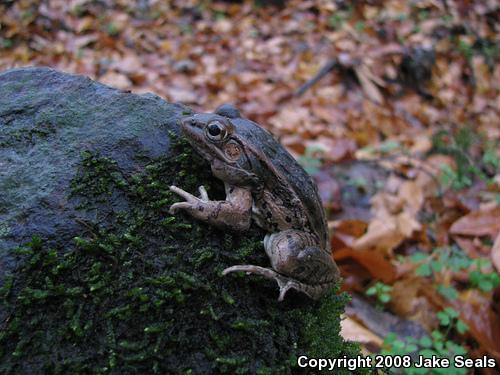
x,y
264,183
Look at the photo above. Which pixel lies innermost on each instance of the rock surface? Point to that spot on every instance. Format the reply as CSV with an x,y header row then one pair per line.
x,y
96,276
47,119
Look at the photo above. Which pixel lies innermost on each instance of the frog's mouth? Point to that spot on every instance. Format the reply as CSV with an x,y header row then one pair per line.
x,y
194,130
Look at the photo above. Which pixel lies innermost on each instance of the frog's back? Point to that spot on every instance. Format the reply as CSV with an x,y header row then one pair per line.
x,y
288,168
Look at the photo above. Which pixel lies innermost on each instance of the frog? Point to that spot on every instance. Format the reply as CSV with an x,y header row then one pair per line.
x,y
263,184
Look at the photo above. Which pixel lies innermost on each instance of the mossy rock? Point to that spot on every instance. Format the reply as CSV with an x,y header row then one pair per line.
x,y
97,277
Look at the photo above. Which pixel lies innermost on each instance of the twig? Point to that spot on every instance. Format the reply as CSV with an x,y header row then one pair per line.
x,y
348,61
329,66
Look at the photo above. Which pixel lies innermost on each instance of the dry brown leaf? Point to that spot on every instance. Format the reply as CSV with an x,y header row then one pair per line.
x,y
181,95
369,87
407,224
354,227
394,218
341,149
379,266
484,324
115,79
131,63
290,118
478,223
421,144
413,196
408,301
383,234
470,247
352,331
387,232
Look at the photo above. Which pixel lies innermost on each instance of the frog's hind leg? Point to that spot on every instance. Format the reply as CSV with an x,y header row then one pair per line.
x,y
297,263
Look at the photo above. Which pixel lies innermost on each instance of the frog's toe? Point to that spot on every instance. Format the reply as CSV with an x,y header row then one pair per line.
x,y
266,272
178,206
184,194
286,286
284,283
203,193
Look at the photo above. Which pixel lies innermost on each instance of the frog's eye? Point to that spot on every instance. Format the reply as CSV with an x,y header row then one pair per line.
x,y
216,131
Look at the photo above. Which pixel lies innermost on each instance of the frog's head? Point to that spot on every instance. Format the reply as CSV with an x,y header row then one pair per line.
x,y
216,138
211,135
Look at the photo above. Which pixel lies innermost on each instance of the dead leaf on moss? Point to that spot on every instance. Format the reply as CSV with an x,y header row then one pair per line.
x,y
352,331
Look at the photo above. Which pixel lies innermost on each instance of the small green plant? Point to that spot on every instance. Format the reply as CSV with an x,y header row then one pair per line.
x,y
359,26
449,319
435,345
112,30
423,15
6,43
219,16
447,19
490,158
310,161
381,291
458,145
453,259
480,277
335,21
384,148
466,49
453,179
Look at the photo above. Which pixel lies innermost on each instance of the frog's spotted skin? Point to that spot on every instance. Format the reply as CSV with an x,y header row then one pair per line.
x,y
264,183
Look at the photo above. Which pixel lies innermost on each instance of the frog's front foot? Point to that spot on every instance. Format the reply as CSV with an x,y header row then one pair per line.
x,y
191,201
284,283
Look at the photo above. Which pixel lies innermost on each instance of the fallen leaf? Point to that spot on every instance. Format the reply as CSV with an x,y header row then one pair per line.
x,y
478,223
387,232
182,95
408,301
413,196
369,87
352,331
383,233
115,79
381,322
341,149
469,246
484,324
379,266
353,227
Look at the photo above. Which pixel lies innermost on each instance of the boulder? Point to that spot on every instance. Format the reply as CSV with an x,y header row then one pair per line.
x,y
97,277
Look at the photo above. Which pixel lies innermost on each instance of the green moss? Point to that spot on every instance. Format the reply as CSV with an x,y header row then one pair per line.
x,y
140,291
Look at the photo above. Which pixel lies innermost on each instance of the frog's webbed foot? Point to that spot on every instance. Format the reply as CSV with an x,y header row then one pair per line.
x,y
284,283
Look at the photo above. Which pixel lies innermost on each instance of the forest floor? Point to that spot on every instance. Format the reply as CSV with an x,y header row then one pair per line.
x,y
401,131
